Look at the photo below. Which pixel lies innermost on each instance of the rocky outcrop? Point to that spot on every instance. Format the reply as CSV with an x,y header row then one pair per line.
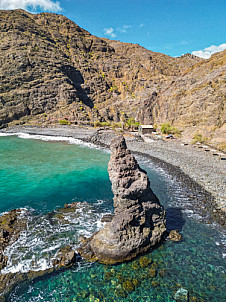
x,y
11,226
138,222
66,257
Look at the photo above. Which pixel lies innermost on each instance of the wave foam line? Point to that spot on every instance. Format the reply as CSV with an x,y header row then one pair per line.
x,y
50,138
7,134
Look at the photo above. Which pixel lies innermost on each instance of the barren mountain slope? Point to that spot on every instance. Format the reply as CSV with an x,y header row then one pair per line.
x,y
52,69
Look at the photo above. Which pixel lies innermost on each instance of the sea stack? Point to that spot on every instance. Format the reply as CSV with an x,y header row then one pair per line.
x,y
138,222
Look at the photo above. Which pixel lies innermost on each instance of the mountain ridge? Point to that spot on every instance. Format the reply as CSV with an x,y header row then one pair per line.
x,y
51,69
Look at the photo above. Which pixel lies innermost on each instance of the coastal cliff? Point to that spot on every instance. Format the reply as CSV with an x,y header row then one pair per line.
x,y
138,222
52,71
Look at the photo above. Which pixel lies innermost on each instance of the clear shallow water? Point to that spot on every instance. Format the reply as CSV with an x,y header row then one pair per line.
x,y
44,176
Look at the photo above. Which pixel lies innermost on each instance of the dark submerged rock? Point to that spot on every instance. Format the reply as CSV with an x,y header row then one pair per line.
x,y
139,220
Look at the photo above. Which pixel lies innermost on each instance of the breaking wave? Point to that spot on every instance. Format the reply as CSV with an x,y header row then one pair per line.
x,y
45,235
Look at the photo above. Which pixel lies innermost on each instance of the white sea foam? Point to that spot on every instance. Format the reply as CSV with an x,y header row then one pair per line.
x,y
3,213
7,134
99,202
38,245
100,224
51,138
23,212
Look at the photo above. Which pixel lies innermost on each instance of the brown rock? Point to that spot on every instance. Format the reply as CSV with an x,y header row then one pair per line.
x,y
11,224
139,219
3,260
65,257
107,218
174,235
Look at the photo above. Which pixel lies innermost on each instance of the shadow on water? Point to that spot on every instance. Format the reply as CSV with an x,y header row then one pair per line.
x,y
174,219
198,198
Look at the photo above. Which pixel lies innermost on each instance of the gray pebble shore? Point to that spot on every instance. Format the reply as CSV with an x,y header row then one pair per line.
x,y
205,168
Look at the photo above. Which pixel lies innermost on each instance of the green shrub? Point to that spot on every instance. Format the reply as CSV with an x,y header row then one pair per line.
x,y
166,128
105,124
198,138
136,125
102,124
64,122
131,122
116,125
155,127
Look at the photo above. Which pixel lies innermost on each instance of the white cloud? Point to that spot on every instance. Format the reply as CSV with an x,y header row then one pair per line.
x,y
46,5
124,28
109,32
207,52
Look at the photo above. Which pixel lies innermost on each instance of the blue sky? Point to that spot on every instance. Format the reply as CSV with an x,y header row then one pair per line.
x,y
173,27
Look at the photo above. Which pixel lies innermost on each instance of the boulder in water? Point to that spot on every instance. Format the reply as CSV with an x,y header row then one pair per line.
x,y
174,235
182,295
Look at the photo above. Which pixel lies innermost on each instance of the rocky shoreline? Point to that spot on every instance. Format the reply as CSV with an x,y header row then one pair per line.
x,y
177,159
12,225
204,168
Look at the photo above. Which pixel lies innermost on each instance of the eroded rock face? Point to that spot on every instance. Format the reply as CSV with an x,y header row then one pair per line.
x,y
11,226
139,220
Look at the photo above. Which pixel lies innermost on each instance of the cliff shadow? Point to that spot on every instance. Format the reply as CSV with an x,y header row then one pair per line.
x,y
77,80
174,219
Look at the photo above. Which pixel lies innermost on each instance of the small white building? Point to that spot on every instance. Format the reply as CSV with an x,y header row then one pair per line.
x,y
146,129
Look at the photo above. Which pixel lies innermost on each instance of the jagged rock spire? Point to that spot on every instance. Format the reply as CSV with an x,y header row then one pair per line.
x,y
139,220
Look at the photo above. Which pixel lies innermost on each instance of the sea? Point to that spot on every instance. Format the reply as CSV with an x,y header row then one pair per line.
x,y
40,174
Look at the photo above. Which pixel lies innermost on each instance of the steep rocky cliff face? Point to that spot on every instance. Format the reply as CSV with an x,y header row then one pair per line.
x,y
52,69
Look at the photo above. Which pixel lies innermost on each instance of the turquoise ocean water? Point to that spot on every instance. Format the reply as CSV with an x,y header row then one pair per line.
x,y
41,176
